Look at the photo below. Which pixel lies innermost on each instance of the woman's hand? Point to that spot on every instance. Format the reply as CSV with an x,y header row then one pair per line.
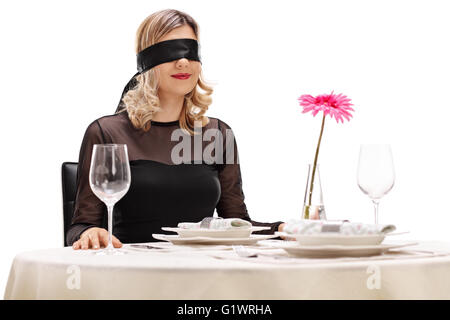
x,y
280,229
94,238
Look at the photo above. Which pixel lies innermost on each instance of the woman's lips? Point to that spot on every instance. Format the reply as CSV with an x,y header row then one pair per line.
x,y
181,76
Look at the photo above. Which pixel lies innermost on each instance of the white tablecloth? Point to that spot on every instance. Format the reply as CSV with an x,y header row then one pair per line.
x,y
218,273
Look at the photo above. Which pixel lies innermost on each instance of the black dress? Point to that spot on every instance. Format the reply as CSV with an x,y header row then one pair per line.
x,y
163,192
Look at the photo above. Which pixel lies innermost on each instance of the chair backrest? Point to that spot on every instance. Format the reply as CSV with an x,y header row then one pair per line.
x,y
69,189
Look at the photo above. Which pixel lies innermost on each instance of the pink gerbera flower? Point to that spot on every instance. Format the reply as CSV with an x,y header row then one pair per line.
x,y
335,105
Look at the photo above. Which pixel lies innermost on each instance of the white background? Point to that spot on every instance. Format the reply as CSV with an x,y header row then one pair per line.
x,y
64,64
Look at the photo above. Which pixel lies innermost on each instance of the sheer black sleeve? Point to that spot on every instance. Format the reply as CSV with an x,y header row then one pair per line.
x,y
231,203
89,210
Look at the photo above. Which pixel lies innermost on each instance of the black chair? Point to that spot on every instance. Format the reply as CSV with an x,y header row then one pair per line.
x,y
69,192
69,189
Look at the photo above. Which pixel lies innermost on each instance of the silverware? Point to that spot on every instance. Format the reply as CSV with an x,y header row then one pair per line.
x,y
242,252
206,222
143,246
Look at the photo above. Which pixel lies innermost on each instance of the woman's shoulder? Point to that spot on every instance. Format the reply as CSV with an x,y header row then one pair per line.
x,y
117,120
218,123
109,121
113,119
106,124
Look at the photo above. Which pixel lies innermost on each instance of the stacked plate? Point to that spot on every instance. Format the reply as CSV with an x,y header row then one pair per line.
x,y
336,244
229,236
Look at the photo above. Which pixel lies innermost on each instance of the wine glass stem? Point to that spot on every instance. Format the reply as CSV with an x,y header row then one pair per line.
x,y
110,213
375,204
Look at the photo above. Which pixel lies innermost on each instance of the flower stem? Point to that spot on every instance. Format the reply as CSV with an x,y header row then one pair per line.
x,y
315,160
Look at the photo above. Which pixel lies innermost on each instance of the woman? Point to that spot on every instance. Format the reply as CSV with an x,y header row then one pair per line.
x,y
158,103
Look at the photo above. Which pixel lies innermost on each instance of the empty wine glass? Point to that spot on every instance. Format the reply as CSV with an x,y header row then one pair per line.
x,y
376,174
110,179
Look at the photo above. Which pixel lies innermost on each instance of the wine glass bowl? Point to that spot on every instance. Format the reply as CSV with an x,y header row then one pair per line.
x,y
110,179
375,176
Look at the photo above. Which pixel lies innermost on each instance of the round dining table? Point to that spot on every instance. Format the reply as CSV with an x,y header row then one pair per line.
x,y
162,270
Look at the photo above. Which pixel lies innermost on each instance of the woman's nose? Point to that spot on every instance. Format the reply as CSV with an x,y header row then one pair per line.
x,y
182,62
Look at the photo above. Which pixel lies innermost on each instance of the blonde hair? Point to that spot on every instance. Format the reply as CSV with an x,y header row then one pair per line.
x,y
142,101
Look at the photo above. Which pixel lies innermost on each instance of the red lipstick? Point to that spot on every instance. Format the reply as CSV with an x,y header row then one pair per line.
x,y
181,76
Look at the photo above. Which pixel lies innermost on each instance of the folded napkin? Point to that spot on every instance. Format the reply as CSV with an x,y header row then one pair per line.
x,y
310,227
217,223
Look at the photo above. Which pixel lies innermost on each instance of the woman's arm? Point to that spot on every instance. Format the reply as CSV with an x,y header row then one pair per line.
x,y
231,203
89,210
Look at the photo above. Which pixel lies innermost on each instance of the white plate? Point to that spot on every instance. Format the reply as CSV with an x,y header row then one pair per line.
x,y
338,251
335,239
215,233
176,239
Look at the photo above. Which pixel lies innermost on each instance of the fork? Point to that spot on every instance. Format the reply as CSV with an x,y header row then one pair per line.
x,y
142,246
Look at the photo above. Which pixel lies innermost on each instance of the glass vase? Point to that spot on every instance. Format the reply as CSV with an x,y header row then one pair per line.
x,y
313,207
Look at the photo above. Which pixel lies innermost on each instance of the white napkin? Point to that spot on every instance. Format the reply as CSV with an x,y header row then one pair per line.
x,y
220,224
311,227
